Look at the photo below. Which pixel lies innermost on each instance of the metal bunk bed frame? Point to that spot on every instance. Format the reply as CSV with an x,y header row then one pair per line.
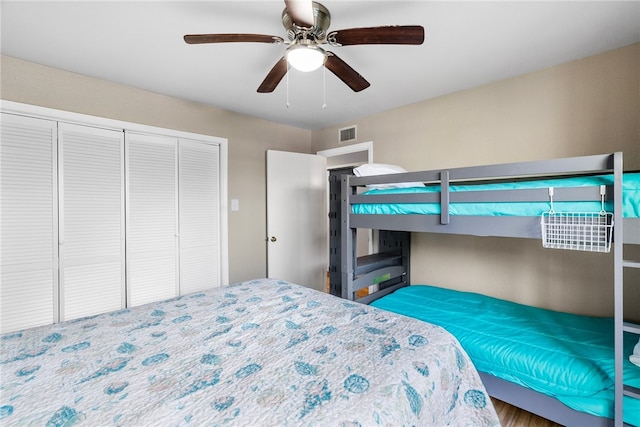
x,y
387,271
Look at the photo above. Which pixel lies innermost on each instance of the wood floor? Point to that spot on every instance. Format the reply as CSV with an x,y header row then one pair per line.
x,y
510,416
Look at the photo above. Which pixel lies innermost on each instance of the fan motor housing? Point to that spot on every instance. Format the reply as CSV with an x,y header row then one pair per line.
x,y
321,22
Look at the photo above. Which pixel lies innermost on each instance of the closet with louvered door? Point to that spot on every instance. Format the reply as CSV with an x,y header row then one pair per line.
x,y
95,217
91,203
28,222
152,218
199,190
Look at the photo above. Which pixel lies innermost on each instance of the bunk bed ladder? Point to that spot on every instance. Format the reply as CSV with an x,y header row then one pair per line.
x,y
621,326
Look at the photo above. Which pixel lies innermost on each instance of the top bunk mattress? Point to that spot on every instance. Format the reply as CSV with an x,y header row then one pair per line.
x,y
559,354
630,200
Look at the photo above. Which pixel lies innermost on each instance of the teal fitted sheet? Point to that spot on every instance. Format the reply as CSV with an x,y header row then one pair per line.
x,y
630,199
559,354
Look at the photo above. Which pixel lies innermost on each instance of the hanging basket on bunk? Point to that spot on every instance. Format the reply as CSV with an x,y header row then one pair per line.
x,y
579,231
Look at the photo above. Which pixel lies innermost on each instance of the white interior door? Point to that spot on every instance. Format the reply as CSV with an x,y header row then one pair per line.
x,y
296,218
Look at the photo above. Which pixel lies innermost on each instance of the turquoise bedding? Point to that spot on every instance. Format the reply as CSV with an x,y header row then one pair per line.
x,y
630,199
563,355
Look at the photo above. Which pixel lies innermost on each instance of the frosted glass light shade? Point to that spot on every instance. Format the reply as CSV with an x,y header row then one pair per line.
x,y
305,58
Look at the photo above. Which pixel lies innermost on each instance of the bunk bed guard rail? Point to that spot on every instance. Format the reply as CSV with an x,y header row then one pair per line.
x,y
526,226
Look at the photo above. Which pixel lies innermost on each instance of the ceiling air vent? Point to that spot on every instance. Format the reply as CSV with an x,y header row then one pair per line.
x,y
347,134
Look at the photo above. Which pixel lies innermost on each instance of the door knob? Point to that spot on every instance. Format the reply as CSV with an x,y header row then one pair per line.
x,y
273,238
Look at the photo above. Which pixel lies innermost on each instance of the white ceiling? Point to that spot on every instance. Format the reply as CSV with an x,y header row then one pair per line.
x,y
467,44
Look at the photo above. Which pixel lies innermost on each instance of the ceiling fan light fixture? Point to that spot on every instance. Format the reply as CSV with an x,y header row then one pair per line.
x,y
305,58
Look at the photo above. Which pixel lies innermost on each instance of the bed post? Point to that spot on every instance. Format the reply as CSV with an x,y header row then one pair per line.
x,y
618,285
348,245
335,228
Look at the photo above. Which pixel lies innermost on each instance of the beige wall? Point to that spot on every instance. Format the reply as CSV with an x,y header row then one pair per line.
x,y
589,106
248,138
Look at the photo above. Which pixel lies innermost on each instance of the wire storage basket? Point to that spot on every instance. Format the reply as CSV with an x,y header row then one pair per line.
x,y
579,231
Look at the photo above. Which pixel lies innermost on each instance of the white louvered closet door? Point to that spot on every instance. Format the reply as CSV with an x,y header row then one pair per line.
x,y
91,196
28,218
152,218
199,189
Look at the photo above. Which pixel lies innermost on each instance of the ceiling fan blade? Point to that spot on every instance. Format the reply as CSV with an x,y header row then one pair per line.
x,y
397,34
230,38
275,75
301,12
344,72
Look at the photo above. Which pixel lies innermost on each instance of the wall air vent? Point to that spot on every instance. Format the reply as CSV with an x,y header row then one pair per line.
x,y
347,134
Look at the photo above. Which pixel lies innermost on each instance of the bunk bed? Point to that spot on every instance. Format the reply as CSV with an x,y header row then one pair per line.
x,y
263,353
578,203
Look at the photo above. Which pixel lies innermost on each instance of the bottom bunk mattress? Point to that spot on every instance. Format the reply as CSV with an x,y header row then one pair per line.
x,y
567,356
258,353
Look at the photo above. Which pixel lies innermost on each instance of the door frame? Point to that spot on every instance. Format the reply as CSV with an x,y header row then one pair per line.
x,y
348,149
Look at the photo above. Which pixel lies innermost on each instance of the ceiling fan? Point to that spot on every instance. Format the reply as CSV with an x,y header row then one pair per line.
x,y
307,23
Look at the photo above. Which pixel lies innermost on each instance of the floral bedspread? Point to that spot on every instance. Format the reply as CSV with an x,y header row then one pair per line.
x,y
258,353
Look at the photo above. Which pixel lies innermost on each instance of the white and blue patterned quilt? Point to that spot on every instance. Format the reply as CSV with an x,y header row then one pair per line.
x,y
258,353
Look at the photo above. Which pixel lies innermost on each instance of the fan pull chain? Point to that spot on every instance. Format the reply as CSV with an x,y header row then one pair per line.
x,y
288,86
324,87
